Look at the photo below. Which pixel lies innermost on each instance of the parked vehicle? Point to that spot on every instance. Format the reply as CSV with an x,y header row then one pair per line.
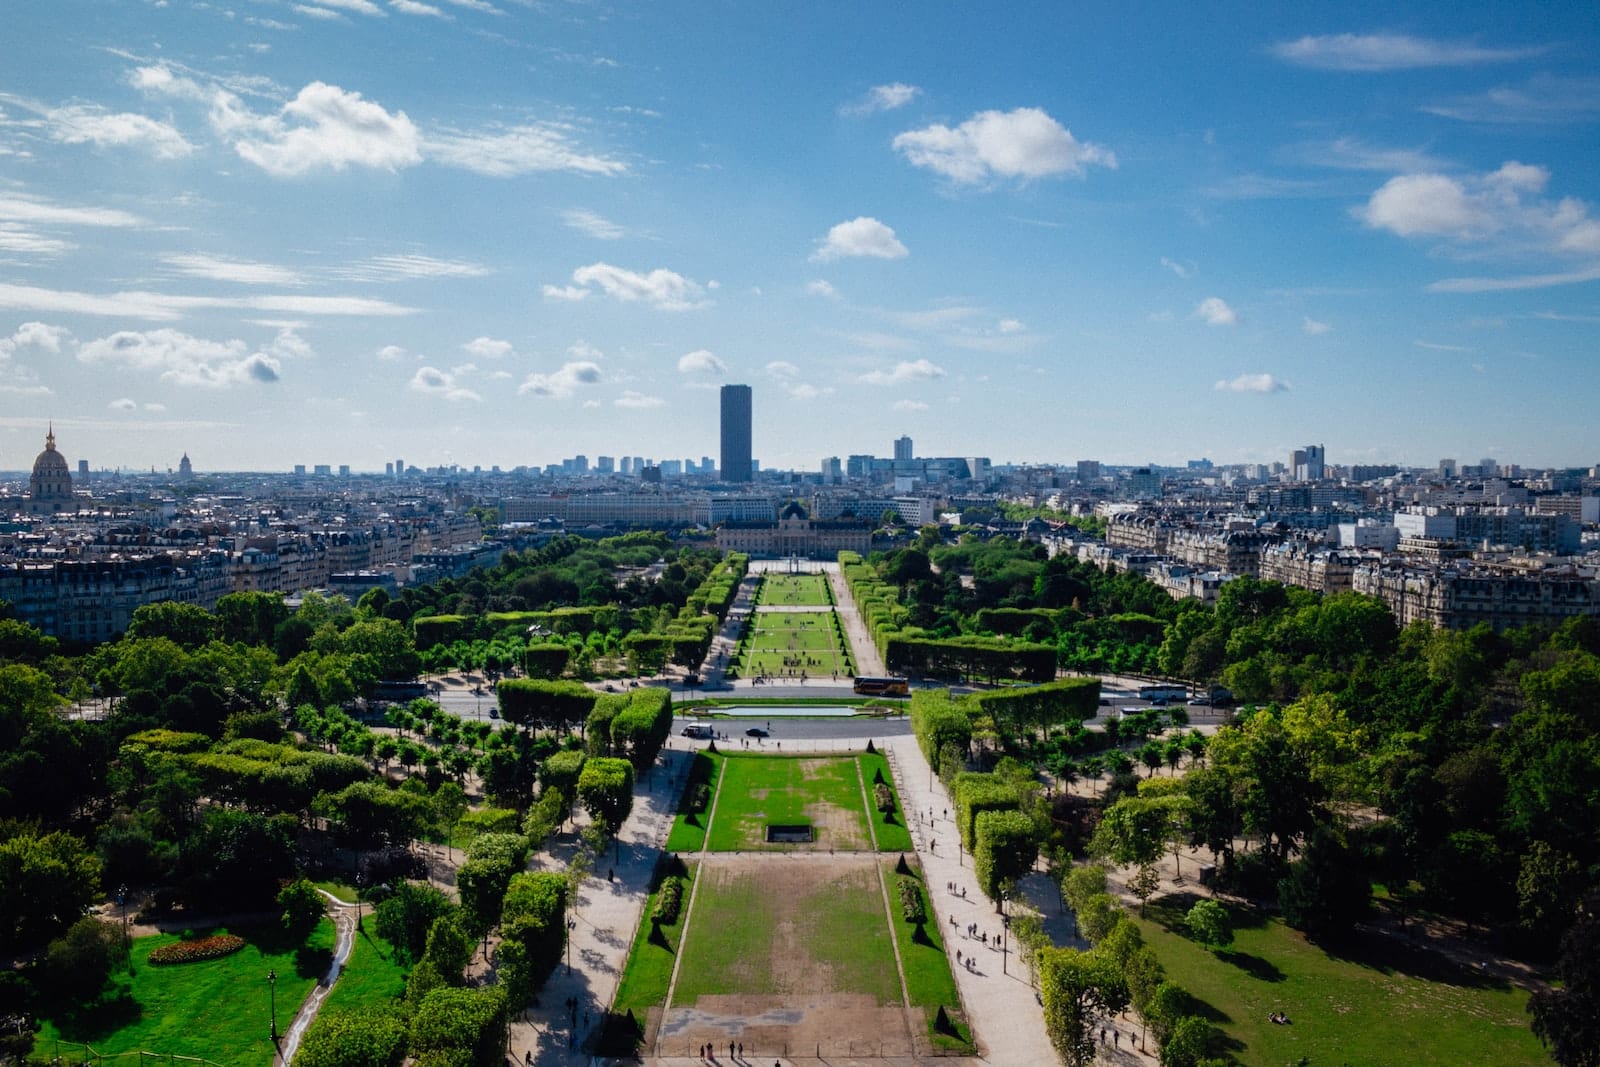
x,y
697,729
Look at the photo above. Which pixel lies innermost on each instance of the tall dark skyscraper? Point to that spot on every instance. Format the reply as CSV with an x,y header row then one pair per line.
x,y
736,433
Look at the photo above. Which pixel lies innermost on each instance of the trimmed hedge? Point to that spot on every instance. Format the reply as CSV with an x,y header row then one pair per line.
x,y
912,908
938,720
1038,707
205,948
669,901
884,797
976,794
534,702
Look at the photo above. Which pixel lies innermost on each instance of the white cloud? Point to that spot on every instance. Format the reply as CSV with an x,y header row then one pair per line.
x,y
807,391
436,382
821,287
477,5
593,224
391,353
782,369
17,379
317,12
1348,153
359,7
905,372
563,382
569,293
85,124
701,361
861,236
488,348
242,271
123,404
910,405
1389,51
1314,328
1010,326
934,318
164,306
882,98
526,149
325,127
583,350
1505,206
632,399
1253,383
1026,143
1436,347
35,335
404,267
1516,282
193,361
15,238
19,207
1175,267
662,289
1214,311
412,7
1543,99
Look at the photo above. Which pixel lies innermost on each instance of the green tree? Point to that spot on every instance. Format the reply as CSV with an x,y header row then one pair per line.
x,y
186,625
448,948
1188,1043
1007,847
76,965
1566,1015
1077,988
1327,891
353,1039
405,916
302,906
605,788
465,1027
1210,924
46,883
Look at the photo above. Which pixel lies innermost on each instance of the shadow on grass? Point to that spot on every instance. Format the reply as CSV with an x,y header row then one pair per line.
x,y
100,1018
1263,970
1389,955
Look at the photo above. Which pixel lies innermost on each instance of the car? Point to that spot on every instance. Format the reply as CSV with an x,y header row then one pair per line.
x,y
755,731
697,729
1199,702
691,679
610,688
1105,702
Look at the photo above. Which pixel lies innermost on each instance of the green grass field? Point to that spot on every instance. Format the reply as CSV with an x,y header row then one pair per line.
x,y
794,591
823,930
649,969
757,790
929,983
790,644
890,829
1382,1003
688,833
217,1009
371,978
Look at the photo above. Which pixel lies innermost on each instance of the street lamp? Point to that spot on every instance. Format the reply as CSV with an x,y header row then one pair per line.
x,y
272,991
572,924
127,943
1005,926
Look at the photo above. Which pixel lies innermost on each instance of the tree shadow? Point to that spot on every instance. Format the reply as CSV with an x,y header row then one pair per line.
x,y
99,1018
1255,966
1390,955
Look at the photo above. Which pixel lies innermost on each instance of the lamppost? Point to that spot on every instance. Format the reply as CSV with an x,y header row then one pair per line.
x,y
127,944
1005,927
572,924
272,992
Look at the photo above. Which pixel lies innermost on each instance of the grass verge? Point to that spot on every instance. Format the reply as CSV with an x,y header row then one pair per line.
x,y
1377,1002
688,833
891,827
215,1009
371,979
649,969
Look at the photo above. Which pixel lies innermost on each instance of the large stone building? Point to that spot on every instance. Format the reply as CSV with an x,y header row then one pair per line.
x,y
50,486
795,534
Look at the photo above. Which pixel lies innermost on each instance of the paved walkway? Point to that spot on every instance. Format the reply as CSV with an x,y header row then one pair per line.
x,y
868,662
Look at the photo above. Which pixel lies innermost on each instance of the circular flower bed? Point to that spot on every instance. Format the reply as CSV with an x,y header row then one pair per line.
x,y
205,948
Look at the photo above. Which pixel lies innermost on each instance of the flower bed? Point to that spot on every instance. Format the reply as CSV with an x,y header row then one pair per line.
x,y
205,948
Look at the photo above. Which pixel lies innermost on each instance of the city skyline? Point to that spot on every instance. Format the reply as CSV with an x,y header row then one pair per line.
x,y
488,233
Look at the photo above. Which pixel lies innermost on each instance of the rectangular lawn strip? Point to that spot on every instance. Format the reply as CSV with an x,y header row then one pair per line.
x,y
648,974
729,949
371,978
215,1009
891,829
688,833
930,984
757,790
794,590
825,935
1381,1002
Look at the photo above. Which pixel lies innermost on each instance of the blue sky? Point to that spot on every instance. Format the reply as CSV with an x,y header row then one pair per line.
x,y
500,232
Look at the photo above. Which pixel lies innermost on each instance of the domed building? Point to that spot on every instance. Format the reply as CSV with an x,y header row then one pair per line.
x,y
50,486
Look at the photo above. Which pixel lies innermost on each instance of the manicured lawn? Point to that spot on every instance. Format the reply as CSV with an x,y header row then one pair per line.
x,y
929,983
1380,1002
791,643
688,832
649,971
891,829
217,1009
821,931
371,977
757,790
794,590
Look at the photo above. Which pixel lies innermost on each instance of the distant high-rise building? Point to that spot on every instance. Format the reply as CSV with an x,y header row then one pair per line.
x,y
1447,468
399,467
605,464
832,469
1307,464
650,473
388,469
736,433
1088,470
300,469
344,469
902,447
83,471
